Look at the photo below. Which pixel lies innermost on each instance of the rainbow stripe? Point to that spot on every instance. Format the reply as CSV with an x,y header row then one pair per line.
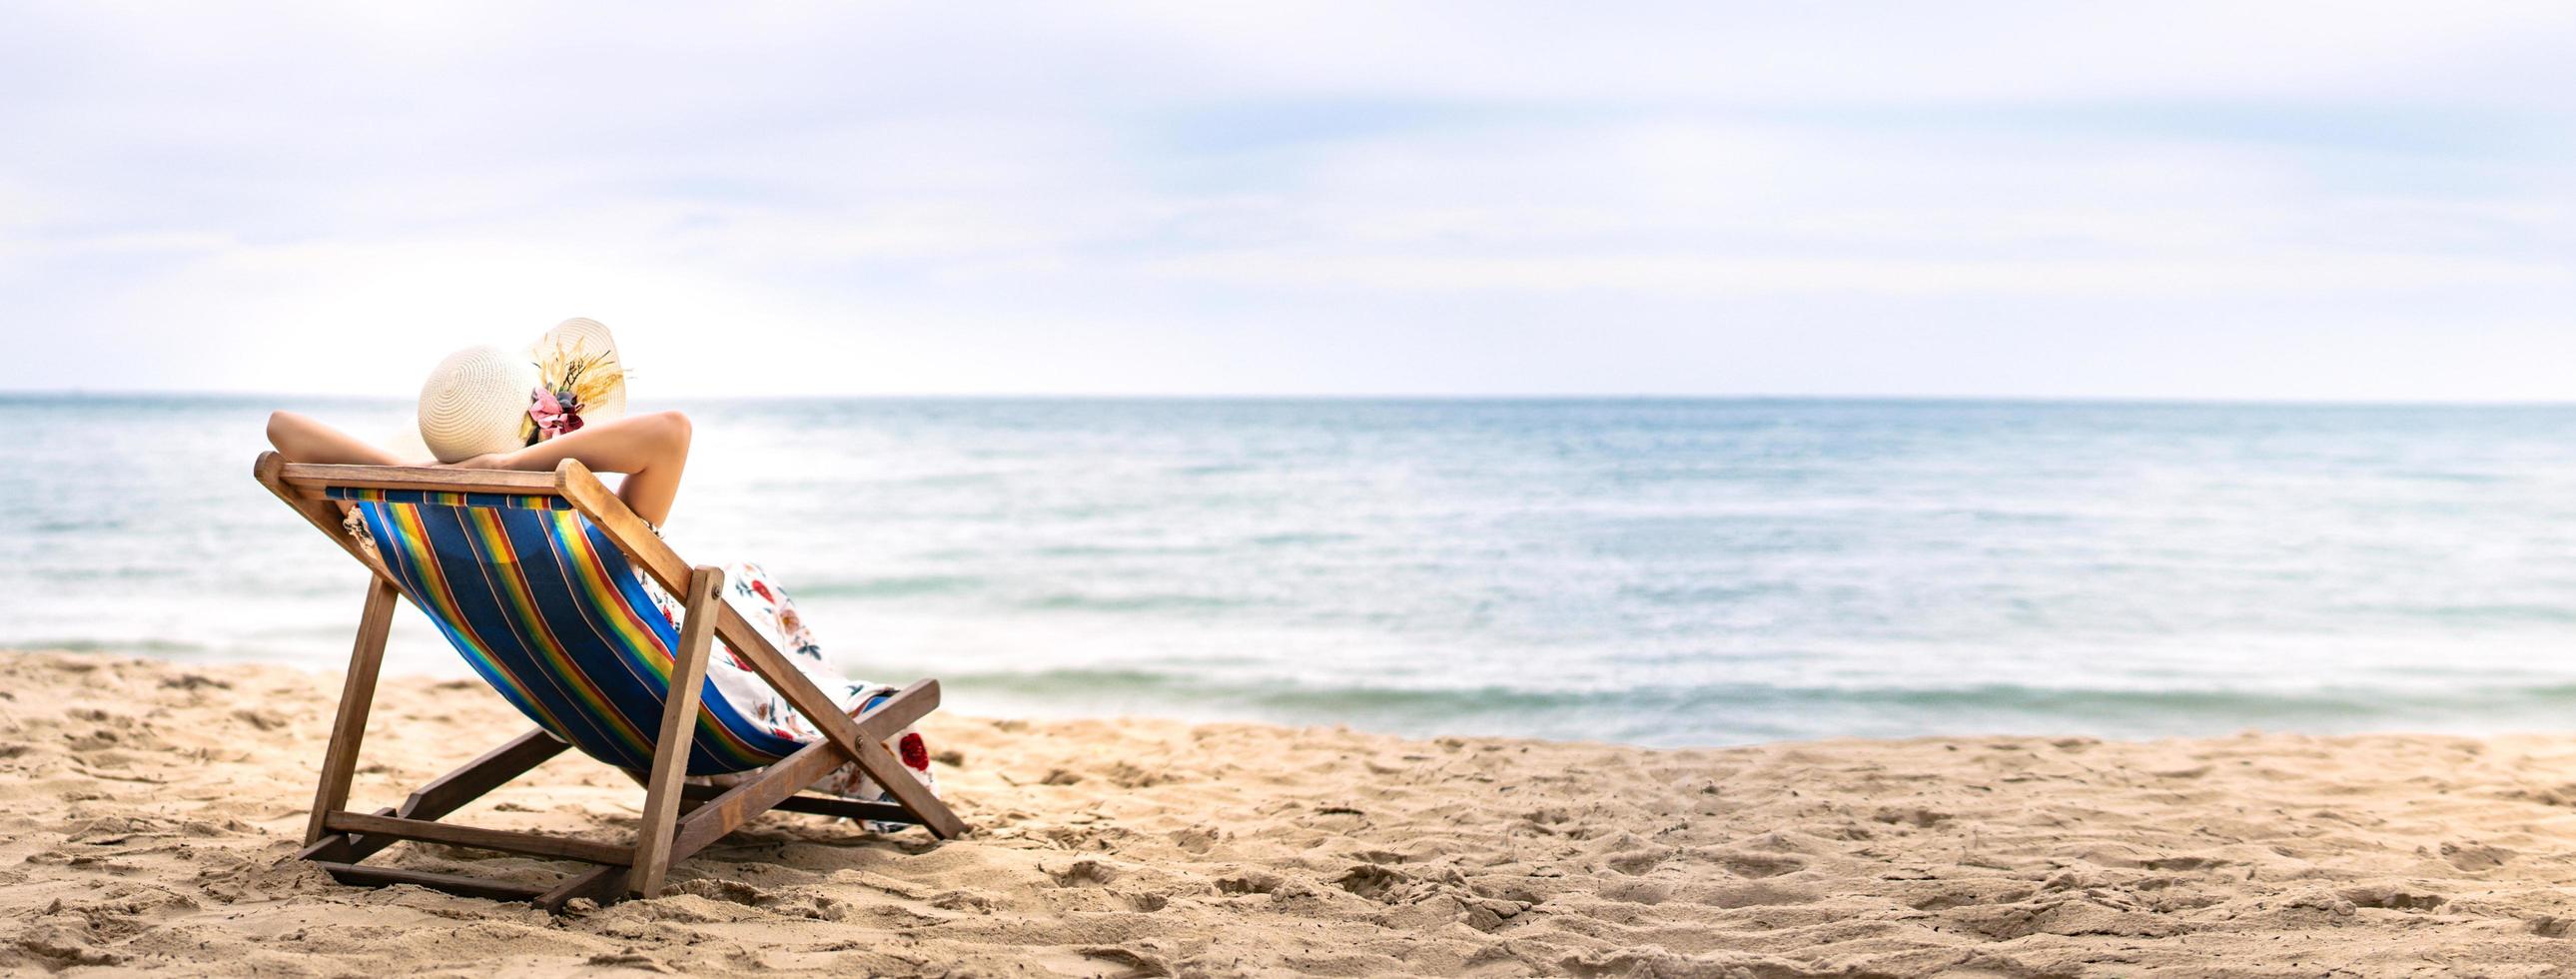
x,y
543,605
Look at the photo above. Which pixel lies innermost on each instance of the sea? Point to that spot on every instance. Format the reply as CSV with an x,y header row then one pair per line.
x,y
1650,571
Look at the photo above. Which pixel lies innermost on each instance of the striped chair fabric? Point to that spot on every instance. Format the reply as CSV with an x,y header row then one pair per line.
x,y
546,608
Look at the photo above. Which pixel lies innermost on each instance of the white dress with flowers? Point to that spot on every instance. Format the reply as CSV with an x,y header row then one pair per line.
x,y
763,604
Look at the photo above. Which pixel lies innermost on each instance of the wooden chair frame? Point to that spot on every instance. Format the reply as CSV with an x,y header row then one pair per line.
x,y
678,819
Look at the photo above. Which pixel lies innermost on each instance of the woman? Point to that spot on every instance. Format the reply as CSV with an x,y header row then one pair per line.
x,y
485,408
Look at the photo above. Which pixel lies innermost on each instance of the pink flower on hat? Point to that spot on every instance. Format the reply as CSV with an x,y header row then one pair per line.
x,y
553,415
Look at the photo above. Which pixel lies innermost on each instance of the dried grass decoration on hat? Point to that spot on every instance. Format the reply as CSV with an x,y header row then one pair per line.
x,y
578,380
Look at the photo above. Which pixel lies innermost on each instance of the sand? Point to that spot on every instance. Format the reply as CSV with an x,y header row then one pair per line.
x,y
150,807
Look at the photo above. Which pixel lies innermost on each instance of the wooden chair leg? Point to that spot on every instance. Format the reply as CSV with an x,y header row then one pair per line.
x,y
781,781
841,731
357,695
679,724
443,795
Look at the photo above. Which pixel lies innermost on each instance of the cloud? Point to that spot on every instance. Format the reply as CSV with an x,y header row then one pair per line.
x,y
1737,275
1186,198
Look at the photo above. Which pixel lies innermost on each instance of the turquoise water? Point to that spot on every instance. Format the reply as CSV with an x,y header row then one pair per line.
x,y
1661,572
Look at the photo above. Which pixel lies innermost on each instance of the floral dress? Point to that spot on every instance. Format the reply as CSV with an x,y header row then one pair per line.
x,y
763,604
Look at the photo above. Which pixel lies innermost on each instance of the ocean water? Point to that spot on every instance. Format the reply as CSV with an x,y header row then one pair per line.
x,y
1664,572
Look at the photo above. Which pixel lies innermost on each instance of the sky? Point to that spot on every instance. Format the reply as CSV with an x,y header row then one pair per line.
x,y
2345,201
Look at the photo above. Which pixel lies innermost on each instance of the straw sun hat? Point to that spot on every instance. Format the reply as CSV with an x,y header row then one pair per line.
x,y
485,399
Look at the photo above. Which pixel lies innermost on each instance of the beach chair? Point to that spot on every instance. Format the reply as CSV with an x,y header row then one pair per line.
x,y
528,574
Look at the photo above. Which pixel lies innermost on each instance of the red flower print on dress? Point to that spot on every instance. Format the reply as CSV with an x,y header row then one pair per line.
x,y
915,756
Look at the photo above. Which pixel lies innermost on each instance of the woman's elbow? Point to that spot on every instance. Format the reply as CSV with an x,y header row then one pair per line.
x,y
675,428
282,426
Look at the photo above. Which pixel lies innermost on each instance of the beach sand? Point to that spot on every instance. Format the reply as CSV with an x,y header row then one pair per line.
x,y
150,808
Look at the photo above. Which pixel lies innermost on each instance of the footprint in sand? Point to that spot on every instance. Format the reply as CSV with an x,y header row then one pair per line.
x,y
2391,897
1915,816
2474,857
1759,865
1372,881
1083,873
1248,882
965,899
1197,839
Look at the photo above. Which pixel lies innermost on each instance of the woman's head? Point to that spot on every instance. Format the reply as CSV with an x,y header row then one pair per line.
x,y
484,399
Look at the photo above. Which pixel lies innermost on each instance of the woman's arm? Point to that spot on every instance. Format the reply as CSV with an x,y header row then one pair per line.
x,y
652,450
301,439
